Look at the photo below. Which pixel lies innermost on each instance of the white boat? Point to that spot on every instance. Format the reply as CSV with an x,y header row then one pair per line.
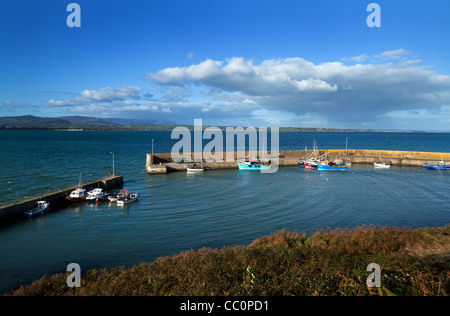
x,y
194,168
382,165
79,194
128,198
114,197
40,209
97,194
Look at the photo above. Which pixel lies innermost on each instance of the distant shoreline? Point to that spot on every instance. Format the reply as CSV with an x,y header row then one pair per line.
x,y
85,123
191,128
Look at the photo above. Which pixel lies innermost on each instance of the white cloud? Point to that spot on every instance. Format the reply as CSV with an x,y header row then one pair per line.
x,y
394,54
249,101
282,91
359,58
335,92
190,55
94,96
270,78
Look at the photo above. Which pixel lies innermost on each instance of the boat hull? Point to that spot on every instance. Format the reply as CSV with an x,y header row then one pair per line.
x,y
98,198
433,167
194,170
133,197
310,165
331,168
37,211
245,166
381,165
97,195
75,200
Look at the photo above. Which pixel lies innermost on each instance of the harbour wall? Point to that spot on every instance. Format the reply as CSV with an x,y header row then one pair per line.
x,y
163,163
57,199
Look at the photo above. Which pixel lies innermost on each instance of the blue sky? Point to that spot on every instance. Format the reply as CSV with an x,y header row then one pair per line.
x,y
261,63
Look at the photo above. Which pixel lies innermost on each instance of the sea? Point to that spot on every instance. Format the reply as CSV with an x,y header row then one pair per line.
x,y
178,212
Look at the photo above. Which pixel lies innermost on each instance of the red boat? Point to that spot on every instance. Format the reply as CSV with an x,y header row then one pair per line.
x,y
77,195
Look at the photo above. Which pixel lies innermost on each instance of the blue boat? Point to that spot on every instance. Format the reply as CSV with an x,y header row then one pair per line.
x,y
438,166
40,209
335,167
435,167
252,165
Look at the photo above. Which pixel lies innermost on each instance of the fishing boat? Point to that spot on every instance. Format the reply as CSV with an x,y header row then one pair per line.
x,y
192,167
115,197
438,166
40,209
79,194
128,198
313,161
253,165
331,166
311,164
97,194
382,164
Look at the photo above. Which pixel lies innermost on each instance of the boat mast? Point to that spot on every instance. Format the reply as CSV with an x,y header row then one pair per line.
x,y
315,152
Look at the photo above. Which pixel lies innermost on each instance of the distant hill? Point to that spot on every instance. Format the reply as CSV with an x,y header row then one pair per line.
x,y
87,120
81,122
31,122
119,124
140,121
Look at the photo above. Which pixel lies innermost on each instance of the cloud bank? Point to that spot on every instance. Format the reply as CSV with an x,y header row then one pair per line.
x,y
341,93
354,92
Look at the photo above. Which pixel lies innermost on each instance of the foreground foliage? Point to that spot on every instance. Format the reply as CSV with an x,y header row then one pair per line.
x,y
333,262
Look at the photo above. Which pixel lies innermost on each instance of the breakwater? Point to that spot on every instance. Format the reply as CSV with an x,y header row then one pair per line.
x,y
57,199
163,163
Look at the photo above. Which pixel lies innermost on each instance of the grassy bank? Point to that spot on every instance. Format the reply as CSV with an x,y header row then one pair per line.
x,y
331,262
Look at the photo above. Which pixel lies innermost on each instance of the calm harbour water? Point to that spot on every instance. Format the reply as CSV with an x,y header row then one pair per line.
x,y
179,211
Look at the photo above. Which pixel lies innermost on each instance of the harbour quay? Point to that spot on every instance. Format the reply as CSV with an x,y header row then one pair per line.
x,y
162,163
57,199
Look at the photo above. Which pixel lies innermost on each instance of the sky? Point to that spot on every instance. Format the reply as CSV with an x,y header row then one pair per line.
x,y
300,63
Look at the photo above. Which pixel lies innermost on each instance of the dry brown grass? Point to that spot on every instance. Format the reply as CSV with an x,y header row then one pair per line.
x,y
328,262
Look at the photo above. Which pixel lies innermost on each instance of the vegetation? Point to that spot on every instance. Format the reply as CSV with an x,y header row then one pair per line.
x,y
329,262
30,122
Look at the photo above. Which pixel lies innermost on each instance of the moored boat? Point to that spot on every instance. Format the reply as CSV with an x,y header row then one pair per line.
x,y
379,164
192,167
97,194
438,166
40,209
435,167
313,161
116,196
330,166
311,164
253,165
128,198
79,194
